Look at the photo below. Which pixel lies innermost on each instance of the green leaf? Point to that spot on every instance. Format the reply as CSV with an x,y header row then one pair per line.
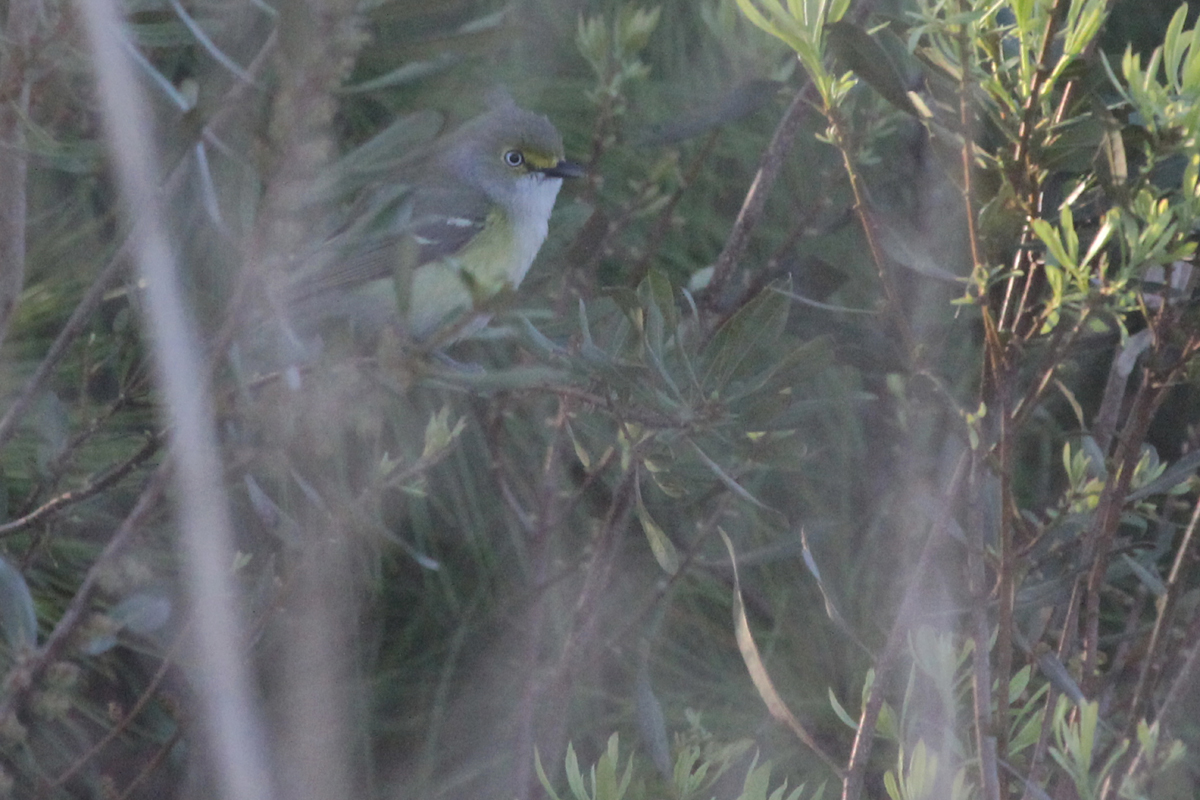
x,y
840,711
1050,237
656,290
542,778
17,616
730,483
574,776
1176,474
859,51
604,775
406,74
747,333
664,551
758,673
1019,681
757,783
439,434
651,723
1145,575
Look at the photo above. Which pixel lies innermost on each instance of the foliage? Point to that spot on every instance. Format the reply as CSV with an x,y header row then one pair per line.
x,y
851,405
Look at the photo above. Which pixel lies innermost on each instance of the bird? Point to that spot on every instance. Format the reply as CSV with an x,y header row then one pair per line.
x,y
461,221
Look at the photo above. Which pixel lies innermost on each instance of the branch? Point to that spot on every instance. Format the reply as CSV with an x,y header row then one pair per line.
x,y
21,679
756,198
91,489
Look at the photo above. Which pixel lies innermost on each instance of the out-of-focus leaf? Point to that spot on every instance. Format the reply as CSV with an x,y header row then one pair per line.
x,y
651,723
795,366
142,612
1074,144
750,331
169,33
1148,579
656,289
659,319
180,100
17,615
440,434
407,73
265,508
209,45
626,300
664,551
830,609
53,425
857,50
729,482
1176,474
910,250
841,712
1111,161
581,452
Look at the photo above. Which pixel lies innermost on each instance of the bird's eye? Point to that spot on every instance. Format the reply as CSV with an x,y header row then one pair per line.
x,y
514,158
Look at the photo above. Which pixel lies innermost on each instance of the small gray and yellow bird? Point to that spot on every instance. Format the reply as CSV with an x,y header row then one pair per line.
x,y
469,215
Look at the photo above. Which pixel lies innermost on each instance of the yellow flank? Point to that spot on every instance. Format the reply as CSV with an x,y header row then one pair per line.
x,y
496,259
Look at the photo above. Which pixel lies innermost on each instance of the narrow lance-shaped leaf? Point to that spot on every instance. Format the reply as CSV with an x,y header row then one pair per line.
x,y
17,615
756,324
758,671
664,551
859,51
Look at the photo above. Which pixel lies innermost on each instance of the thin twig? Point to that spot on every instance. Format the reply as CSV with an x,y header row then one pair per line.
x,y
91,489
22,678
1024,183
1165,605
123,724
986,718
891,294
1098,540
751,212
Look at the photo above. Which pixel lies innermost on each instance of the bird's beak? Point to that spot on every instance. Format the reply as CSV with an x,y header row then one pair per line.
x,y
565,169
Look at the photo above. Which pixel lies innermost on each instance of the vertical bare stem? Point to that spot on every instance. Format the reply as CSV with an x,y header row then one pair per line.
x,y
229,709
986,719
1108,513
756,198
1164,606
20,29
548,515
318,43
1024,182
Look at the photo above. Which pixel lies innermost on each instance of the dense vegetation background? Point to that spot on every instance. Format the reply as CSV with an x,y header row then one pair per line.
x,y
844,435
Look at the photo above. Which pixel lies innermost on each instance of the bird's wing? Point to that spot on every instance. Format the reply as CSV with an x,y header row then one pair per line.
x,y
395,229
445,216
